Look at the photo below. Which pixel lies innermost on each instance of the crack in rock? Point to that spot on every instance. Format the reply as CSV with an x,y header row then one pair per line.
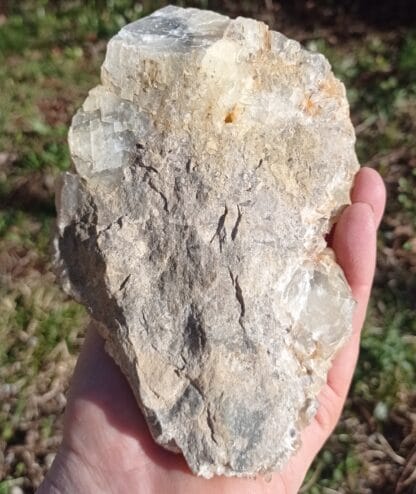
x,y
221,232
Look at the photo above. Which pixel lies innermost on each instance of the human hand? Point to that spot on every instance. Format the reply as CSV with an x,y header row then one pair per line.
x,y
107,446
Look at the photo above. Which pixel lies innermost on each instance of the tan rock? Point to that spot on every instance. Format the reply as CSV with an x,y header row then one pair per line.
x,y
209,165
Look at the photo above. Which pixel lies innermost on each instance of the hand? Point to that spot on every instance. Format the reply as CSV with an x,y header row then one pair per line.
x,y
107,446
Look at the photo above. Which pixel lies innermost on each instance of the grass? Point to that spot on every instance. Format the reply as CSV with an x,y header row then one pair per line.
x,y
50,54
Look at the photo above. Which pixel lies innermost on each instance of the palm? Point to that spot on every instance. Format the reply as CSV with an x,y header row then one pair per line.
x,y
107,446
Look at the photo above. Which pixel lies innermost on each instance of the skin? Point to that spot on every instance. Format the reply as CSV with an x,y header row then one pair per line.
x,y
107,447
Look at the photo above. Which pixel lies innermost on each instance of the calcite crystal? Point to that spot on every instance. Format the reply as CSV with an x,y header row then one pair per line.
x,y
209,165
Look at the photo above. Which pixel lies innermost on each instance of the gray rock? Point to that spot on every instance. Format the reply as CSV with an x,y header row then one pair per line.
x,y
209,165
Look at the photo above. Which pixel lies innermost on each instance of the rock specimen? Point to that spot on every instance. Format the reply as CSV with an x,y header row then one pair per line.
x,y
210,164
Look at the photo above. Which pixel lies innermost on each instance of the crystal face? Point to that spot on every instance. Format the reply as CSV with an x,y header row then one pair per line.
x,y
209,165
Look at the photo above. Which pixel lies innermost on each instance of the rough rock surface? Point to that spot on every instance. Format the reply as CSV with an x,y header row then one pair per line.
x,y
210,164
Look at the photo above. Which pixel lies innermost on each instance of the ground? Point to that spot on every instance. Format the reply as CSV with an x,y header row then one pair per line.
x,y
50,54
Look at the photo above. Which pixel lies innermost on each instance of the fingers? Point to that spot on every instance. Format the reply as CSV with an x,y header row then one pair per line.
x,y
369,188
355,247
355,236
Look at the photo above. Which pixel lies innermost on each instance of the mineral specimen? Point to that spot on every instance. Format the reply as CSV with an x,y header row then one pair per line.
x,y
209,165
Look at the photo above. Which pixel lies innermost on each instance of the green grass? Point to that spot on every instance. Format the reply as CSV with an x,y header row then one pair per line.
x,y
387,364
50,54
